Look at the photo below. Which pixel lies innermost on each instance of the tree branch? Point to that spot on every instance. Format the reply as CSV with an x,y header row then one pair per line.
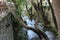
x,y
54,18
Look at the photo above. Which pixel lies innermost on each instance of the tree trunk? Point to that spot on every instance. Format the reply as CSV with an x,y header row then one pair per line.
x,y
56,6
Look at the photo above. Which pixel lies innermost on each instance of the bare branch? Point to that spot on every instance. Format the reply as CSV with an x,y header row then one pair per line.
x,y
54,18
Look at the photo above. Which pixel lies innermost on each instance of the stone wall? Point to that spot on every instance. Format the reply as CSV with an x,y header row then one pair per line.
x,y
6,31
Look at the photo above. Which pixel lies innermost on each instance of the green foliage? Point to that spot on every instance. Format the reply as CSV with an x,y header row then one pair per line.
x,y
16,23
20,4
23,35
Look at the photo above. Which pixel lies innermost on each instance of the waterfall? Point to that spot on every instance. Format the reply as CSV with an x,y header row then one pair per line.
x,y
30,23
50,35
32,34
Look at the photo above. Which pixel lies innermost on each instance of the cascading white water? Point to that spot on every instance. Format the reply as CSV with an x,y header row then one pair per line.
x,y
32,34
50,35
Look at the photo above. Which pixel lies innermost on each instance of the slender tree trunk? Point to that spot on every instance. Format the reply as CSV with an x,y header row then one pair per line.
x,y
56,6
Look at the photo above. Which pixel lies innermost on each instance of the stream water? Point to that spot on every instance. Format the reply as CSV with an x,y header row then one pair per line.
x,y
32,34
